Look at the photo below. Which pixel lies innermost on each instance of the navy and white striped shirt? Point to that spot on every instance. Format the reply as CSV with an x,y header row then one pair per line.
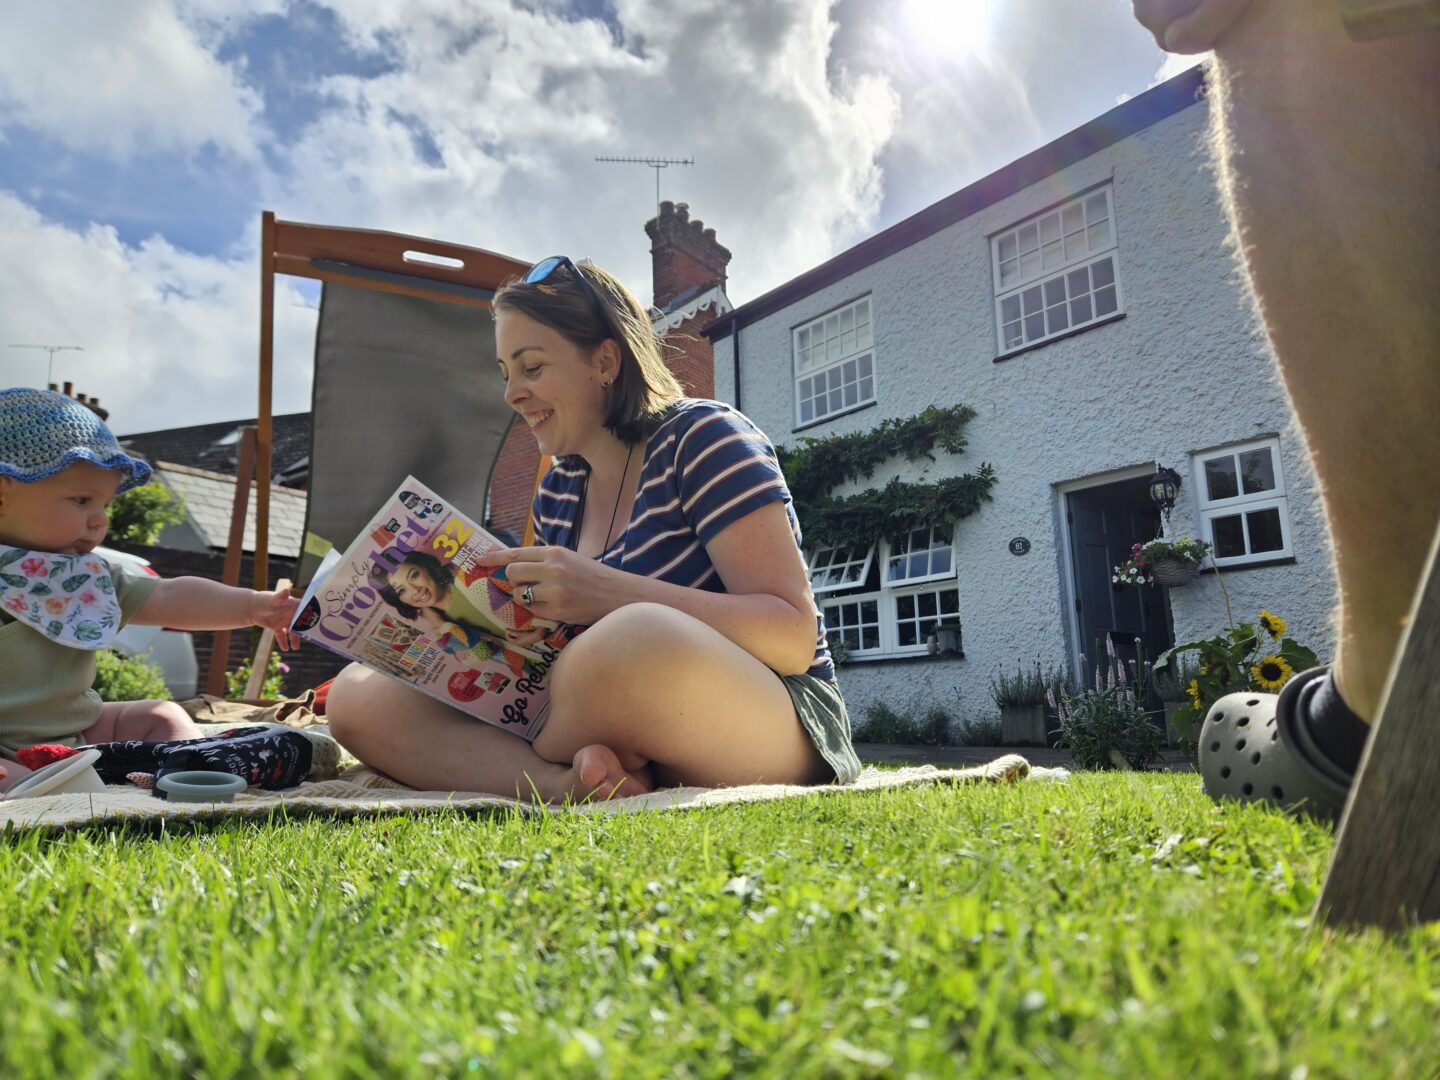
x,y
706,467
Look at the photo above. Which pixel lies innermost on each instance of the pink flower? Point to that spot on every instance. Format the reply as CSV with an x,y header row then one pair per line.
x,y
16,603
33,566
88,597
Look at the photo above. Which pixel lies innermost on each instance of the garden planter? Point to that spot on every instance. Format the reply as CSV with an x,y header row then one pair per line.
x,y
1022,725
1174,572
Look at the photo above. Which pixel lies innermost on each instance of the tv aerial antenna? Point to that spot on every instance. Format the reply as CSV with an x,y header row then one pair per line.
x,y
656,163
52,350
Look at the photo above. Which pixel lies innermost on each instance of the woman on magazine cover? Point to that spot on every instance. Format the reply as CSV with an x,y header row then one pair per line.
x,y
665,528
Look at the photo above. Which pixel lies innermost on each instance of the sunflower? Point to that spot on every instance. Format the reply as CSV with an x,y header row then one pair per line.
x,y
1272,624
1194,690
1271,673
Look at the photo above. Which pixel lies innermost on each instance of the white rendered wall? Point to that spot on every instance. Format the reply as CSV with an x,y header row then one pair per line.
x,y
1186,370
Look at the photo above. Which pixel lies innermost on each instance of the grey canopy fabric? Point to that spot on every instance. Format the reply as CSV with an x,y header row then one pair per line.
x,y
403,385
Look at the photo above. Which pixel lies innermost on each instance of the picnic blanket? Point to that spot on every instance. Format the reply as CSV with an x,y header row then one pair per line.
x,y
362,792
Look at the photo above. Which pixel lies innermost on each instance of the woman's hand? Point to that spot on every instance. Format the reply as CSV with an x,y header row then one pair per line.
x,y
1187,26
566,587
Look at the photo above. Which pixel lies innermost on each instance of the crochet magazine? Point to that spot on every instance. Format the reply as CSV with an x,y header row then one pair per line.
x,y
413,598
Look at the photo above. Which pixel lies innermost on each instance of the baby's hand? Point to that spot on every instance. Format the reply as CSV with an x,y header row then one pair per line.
x,y
275,611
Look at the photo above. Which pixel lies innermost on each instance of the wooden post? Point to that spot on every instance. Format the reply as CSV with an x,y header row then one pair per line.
x,y
234,549
267,370
260,665
1385,870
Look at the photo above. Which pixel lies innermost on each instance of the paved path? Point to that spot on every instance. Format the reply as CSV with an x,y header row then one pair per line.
x,y
893,754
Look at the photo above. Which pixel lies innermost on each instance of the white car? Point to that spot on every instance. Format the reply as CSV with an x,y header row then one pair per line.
x,y
172,651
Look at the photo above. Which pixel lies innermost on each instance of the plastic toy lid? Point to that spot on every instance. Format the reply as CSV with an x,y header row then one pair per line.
x,y
201,786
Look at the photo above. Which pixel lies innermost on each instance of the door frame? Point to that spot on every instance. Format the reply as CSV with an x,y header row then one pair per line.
x,y
1064,491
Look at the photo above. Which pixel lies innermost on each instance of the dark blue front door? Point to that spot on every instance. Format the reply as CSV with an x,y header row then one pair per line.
x,y
1104,523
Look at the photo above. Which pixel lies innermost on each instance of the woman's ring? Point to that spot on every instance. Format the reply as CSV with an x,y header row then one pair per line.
x,y
527,594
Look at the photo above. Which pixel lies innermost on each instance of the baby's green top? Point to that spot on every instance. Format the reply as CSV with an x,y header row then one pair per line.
x,y
45,687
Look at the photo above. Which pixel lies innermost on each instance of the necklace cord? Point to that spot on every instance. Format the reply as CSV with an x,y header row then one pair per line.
x,y
618,494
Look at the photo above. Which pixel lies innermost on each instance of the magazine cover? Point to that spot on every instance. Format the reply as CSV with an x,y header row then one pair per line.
x,y
412,598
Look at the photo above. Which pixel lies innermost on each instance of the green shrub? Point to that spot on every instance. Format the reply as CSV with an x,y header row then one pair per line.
x,y
133,679
1026,687
1172,681
881,723
271,687
1105,726
979,731
141,514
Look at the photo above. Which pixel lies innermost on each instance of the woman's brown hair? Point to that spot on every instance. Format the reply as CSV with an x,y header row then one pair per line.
x,y
644,387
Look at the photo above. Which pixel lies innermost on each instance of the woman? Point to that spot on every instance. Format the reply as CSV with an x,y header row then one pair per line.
x,y
667,531
422,590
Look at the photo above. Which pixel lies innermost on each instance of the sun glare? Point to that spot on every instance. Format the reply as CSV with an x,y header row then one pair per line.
x,y
952,27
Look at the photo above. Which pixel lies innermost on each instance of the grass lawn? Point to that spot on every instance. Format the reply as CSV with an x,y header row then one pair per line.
x,y
1117,925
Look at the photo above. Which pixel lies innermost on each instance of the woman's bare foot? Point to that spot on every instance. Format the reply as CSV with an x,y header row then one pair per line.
x,y
602,776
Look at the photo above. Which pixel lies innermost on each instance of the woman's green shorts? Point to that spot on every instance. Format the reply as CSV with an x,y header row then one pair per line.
x,y
822,712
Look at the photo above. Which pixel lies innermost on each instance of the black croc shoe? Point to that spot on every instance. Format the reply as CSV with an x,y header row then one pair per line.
x,y
1254,748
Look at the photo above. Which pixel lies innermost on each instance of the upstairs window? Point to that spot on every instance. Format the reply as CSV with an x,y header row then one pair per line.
x,y
1244,510
834,363
1056,272
921,555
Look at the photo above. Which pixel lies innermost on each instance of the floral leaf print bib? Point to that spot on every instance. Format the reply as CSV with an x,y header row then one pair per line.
x,y
68,598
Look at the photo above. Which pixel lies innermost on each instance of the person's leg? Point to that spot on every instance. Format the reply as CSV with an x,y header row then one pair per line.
x,y
659,686
11,773
1327,153
148,721
429,745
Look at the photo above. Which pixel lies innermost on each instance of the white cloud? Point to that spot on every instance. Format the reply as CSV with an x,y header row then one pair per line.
x,y
121,79
487,130
170,337
1174,64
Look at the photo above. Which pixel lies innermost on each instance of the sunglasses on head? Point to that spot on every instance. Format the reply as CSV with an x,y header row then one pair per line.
x,y
545,267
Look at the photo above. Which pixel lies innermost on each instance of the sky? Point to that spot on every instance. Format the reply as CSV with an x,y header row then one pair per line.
x,y
140,142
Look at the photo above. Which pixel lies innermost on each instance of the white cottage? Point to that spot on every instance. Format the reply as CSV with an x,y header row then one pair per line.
x,y
1084,301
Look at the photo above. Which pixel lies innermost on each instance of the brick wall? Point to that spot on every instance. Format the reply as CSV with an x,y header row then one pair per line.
x,y
513,480
309,665
691,356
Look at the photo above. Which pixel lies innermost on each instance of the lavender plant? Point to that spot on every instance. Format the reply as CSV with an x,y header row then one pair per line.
x,y
1104,725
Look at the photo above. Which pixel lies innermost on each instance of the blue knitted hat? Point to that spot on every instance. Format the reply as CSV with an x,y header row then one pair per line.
x,y
43,433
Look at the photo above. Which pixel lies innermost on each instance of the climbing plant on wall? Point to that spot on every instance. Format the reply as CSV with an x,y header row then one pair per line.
x,y
815,467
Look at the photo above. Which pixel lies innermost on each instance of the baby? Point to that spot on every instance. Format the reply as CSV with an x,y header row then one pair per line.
x,y
60,469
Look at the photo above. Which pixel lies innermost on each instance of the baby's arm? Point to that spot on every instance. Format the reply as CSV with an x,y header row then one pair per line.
x,y
192,603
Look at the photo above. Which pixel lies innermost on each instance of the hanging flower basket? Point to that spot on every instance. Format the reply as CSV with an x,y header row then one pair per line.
x,y
1173,573
1162,562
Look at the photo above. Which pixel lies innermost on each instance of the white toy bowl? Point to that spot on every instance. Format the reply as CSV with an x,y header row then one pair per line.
x,y
68,776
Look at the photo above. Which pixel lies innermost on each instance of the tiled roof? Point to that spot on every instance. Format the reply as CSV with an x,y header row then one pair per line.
x,y
209,497
214,446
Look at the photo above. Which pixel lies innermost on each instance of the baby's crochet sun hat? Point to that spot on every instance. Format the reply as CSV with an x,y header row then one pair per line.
x,y
43,432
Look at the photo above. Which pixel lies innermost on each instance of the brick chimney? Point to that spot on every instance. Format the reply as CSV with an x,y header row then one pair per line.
x,y
688,265
684,254
93,404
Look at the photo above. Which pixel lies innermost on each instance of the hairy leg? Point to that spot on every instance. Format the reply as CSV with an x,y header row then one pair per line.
x,y
148,721
1327,153
656,685
426,744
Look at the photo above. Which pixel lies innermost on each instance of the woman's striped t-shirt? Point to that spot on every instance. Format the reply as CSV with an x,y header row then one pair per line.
x,y
706,467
